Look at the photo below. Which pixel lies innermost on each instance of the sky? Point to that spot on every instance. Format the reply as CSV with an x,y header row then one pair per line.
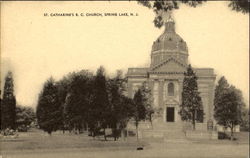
x,y
35,47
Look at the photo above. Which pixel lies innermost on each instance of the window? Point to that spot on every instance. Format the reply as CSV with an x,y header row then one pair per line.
x,y
170,89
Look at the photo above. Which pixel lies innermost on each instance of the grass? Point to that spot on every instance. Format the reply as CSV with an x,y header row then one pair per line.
x,y
40,144
40,140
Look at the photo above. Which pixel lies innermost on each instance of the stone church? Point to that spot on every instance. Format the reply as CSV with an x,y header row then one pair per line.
x,y
164,77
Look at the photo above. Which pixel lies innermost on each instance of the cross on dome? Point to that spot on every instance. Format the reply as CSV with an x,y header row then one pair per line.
x,y
169,17
169,23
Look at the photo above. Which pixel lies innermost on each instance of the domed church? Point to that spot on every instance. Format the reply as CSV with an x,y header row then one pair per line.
x,y
164,77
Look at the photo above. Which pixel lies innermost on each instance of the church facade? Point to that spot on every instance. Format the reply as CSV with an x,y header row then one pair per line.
x,y
164,77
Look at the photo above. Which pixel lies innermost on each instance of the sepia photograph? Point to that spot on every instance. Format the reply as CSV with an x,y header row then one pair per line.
x,y
124,79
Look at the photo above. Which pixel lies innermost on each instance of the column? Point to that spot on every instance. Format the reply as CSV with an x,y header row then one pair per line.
x,y
155,93
160,92
211,100
205,104
130,89
180,89
176,115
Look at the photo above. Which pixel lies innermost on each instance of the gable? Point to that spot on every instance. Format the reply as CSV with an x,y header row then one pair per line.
x,y
171,101
170,65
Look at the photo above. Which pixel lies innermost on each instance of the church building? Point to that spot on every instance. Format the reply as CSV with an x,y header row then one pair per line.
x,y
164,77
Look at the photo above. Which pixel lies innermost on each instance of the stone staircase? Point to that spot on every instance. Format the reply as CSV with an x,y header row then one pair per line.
x,y
168,132
173,132
201,135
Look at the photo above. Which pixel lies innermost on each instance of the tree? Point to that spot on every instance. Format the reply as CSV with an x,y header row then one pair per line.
x,y
63,91
121,107
221,88
100,106
140,110
245,119
228,105
48,109
115,91
8,106
148,102
77,103
161,7
0,110
191,101
239,5
24,117
127,111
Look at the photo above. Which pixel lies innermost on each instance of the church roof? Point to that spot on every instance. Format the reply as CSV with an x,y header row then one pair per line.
x,y
170,40
204,72
166,61
139,72
169,56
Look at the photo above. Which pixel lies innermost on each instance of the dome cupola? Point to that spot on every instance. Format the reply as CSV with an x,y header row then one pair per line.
x,y
169,26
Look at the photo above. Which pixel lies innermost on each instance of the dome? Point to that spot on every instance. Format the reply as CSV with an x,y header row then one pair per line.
x,y
169,44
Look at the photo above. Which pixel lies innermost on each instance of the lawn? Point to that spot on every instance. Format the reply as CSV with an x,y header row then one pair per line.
x,y
39,144
37,139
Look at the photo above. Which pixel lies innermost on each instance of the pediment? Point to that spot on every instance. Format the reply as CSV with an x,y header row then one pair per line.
x,y
170,65
170,101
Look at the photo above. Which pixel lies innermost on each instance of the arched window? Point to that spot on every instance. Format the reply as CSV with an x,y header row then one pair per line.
x,y
170,89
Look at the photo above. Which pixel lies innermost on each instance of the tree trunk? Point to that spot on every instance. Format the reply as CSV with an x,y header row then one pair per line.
x,y
74,128
232,133
127,133
193,124
137,137
151,121
93,134
104,134
122,134
87,127
49,132
193,120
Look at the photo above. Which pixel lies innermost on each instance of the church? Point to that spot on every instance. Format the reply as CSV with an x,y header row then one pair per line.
x,y
164,77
